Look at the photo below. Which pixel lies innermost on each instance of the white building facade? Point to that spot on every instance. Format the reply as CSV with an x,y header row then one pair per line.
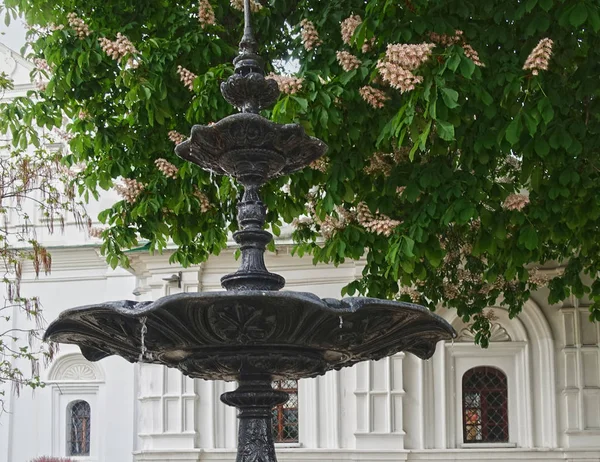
x,y
534,394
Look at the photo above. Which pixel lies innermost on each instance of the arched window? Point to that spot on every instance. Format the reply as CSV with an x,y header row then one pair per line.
x,y
485,406
285,416
78,428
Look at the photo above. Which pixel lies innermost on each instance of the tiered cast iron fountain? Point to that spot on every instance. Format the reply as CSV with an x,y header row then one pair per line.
x,y
251,332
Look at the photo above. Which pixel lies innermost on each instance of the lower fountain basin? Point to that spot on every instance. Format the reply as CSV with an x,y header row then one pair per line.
x,y
224,335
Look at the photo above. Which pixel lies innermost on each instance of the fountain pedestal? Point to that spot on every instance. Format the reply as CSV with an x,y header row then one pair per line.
x,y
255,399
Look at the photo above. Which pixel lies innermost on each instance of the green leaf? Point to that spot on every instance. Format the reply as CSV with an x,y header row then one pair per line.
x,y
347,76
454,62
529,238
445,130
530,5
532,124
450,97
514,129
324,119
541,146
595,19
545,107
325,99
302,102
467,67
406,246
546,4
578,15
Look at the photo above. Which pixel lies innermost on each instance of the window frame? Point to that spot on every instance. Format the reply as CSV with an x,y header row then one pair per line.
x,y
512,359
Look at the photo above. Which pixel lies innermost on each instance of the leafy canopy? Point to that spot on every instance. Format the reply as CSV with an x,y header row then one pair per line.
x,y
457,188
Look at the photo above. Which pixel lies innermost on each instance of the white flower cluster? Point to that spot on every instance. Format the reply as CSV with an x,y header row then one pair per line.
x,y
398,77
176,137
348,27
348,61
54,27
457,38
472,55
374,97
320,164
409,56
167,168
383,162
378,224
331,224
538,278
81,28
539,58
415,296
130,189
187,77
41,64
287,85
206,14
120,48
400,60
310,36
447,40
515,202
205,204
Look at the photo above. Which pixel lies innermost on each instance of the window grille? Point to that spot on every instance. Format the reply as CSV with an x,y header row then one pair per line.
x,y
285,416
78,431
485,406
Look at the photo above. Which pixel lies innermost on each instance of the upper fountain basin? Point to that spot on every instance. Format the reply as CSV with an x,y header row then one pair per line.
x,y
225,335
250,148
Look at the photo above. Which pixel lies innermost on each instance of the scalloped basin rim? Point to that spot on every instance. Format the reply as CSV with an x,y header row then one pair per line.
x,y
346,305
223,335
271,149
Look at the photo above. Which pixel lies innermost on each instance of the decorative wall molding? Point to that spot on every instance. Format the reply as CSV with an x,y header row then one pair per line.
x,y
497,334
73,367
79,372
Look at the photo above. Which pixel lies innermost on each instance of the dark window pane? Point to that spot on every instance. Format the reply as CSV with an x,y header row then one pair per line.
x,y
285,416
78,431
485,406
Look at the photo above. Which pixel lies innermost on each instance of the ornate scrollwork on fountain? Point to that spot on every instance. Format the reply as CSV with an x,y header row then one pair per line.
x,y
250,92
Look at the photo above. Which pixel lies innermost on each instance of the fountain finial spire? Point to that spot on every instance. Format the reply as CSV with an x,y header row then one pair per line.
x,y
247,89
248,43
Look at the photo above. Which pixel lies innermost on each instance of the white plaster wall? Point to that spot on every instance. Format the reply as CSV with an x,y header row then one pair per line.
x,y
79,277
